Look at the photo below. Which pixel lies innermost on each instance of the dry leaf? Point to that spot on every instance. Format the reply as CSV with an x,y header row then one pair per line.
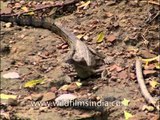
x,y
78,84
30,13
79,36
149,72
111,38
64,87
123,74
116,67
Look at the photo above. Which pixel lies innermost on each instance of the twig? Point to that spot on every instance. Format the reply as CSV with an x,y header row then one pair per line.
x,y
154,17
142,85
154,2
44,7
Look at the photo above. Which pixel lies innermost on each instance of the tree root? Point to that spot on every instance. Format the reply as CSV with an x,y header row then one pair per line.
x,y
142,85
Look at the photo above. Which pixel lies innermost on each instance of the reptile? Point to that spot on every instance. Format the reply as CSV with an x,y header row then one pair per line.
x,y
83,58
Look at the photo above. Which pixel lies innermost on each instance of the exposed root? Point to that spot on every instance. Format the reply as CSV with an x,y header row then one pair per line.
x,y
142,85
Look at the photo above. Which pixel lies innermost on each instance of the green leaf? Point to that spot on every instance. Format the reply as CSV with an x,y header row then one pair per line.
x,y
100,37
127,115
32,83
125,102
4,96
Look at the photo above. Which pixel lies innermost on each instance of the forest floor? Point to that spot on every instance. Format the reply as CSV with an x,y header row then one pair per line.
x,y
129,30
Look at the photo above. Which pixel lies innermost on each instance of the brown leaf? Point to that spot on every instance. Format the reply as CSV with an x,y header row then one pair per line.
x,y
116,67
108,14
73,87
111,38
36,97
6,11
48,96
149,72
123,75
149,67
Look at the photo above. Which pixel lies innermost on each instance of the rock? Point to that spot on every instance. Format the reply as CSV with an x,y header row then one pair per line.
x,y
11,75
8,25
64,99
43,109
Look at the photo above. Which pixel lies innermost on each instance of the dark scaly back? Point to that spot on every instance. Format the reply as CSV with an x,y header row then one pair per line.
x,y
41,22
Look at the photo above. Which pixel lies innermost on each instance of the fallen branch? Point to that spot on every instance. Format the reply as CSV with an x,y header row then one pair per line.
x,y
154,2
62,4
142,85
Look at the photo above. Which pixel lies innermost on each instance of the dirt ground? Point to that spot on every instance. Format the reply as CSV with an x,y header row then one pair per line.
x,y
130,32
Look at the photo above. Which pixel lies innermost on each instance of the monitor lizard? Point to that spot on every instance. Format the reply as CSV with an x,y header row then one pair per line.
x,y
82,57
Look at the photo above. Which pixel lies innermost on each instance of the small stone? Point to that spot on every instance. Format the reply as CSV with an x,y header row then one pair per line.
x,y
17,5
22,2
43,109
8,25
65,98
85,37
11,75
